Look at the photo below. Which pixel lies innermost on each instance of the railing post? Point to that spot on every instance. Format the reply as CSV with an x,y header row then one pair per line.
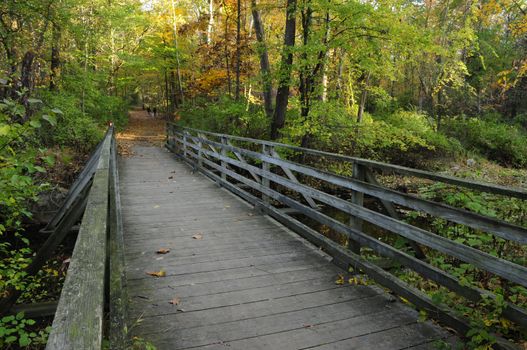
x,y
223,152
357,198
184,144
200,151
266,150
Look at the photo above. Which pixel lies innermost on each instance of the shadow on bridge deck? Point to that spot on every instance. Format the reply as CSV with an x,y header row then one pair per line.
x,y
237,279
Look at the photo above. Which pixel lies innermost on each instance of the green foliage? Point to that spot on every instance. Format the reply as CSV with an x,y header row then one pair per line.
x,y
485,316
498,141
402,137
19,332
226,116
74,128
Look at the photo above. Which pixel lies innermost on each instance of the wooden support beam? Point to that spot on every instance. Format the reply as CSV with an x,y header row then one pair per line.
x,y
293,178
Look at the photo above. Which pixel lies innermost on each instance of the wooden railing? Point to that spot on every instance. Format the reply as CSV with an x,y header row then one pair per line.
x,y
255,170
95,275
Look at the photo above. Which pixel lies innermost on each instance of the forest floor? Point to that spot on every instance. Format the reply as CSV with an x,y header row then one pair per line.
x,y
141,129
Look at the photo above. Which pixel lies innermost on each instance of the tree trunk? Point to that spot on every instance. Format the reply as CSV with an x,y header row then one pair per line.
x,y
238,47
282,96
363,97
55,58
211,22
26,70
265,67
178,70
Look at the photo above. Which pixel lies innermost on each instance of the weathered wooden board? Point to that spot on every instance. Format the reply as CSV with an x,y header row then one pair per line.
x,y
248,282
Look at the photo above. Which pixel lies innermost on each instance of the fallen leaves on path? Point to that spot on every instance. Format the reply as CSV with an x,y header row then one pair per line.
x,y
163,251
198,236
142,129
157,273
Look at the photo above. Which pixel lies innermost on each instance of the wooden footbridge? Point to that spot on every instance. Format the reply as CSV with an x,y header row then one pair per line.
x,y
215,243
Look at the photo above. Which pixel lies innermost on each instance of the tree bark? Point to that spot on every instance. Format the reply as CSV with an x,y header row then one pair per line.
x,y
238,48
55,58
265,67
282,96
178,71
363,97
211,22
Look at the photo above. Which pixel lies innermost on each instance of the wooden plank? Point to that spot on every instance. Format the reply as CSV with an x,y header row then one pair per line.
x,y
357,198
391,339
501,267
230,274
158,305
79,318
174,270
354,297
118,297
357,321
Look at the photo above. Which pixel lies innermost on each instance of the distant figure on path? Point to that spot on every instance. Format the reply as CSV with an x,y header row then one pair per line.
x,y
155,111
148,110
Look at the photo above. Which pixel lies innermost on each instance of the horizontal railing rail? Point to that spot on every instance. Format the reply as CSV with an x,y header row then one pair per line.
x,y
255,170
95,275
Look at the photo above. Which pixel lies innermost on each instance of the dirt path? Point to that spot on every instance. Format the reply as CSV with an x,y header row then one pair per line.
x,y
141,130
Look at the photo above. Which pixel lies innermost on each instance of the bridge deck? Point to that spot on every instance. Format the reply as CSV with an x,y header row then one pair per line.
x,y
239,280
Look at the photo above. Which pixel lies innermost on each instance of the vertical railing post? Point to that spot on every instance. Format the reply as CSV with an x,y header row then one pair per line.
x,y
200,151
357,198
184,144
223,152
266,150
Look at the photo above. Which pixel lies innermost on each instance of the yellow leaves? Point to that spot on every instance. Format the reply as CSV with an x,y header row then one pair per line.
x,y
160,273
353,280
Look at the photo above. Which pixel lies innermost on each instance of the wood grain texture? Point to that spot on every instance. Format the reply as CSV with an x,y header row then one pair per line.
x,y
78,322
247,282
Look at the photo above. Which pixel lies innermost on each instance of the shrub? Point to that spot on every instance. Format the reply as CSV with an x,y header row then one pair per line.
x,y
225,115
497,141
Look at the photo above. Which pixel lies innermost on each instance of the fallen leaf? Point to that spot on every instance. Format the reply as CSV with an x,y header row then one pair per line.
x,y
156,206
340,280
163,251
198,236
157,273
175,301
170,177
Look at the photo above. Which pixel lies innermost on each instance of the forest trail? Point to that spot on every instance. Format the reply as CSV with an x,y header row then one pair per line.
x,y
142,129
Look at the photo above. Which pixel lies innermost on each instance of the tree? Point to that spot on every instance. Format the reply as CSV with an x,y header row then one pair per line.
x,y
284,77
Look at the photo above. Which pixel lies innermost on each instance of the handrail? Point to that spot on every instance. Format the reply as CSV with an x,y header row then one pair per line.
x,y
398,169
79,319
235,167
